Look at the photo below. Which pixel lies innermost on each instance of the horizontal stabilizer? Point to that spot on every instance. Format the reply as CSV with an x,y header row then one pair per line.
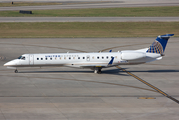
x,y
166,36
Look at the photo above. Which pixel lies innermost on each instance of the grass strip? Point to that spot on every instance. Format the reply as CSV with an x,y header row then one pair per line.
x,y
166,11
87,30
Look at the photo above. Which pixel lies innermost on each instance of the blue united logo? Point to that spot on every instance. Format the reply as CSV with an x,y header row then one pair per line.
x,y
156,47
159,45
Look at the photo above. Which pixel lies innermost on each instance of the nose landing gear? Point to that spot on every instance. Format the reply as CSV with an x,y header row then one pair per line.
x,y
16,71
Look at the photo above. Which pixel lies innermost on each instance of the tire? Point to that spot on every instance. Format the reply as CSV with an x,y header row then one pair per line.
x,y
16,71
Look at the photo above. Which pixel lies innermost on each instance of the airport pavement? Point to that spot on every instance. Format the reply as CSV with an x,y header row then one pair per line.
x,y
89,19
117,3
131,1
79,94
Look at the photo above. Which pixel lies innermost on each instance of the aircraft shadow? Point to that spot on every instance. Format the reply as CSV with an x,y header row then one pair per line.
x,y
56,71
111,71
157,71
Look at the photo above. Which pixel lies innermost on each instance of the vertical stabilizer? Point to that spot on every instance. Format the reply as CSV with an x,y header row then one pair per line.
x,y
159,45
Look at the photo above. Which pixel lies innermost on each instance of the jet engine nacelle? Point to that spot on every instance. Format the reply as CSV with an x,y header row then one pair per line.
x,y
132,55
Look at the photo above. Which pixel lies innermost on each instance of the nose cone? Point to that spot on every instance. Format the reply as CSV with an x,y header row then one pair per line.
x,y
9,64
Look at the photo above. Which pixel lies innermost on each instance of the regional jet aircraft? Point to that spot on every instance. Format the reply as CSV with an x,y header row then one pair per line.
x,y
94,61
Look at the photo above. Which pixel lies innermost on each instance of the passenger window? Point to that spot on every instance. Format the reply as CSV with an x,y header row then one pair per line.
x,y
50,58
41,58
46,58
106,57
69,58
83,57
93,57
102,57
37,58
97,57
78,57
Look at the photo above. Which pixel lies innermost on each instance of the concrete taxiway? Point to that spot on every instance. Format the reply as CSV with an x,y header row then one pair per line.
x,y
89,19
102,4
79,94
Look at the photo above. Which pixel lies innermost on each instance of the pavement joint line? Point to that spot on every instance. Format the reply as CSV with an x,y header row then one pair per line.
x,y
150,85
44,46
3,114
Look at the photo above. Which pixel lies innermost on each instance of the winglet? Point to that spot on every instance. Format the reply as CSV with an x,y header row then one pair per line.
x,y
110,51
111,61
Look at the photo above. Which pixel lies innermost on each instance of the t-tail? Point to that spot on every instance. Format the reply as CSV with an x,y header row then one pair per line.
x,y
159,45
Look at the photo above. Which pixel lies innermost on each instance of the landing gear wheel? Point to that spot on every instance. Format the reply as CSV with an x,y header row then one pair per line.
x,y
99,71
16,71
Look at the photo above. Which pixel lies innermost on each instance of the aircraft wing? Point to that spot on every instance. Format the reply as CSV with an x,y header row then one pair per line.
x,y
101,65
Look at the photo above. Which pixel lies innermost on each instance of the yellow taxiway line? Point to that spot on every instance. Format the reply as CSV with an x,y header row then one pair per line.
x,y
155,88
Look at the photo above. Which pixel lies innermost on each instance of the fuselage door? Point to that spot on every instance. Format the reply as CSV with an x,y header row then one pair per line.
x,y
87,58
31,59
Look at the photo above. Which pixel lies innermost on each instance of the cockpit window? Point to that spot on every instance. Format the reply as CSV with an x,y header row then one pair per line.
x,y
21,57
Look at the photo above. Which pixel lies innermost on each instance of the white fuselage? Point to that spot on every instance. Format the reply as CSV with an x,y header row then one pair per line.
x,y
83,60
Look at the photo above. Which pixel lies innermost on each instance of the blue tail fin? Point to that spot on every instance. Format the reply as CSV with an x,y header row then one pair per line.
x,y
158,46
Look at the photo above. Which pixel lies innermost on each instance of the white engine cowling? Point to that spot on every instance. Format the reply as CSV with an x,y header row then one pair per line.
x,y
132,55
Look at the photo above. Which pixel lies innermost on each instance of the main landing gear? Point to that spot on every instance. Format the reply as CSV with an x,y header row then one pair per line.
x,y
16,71
97,70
